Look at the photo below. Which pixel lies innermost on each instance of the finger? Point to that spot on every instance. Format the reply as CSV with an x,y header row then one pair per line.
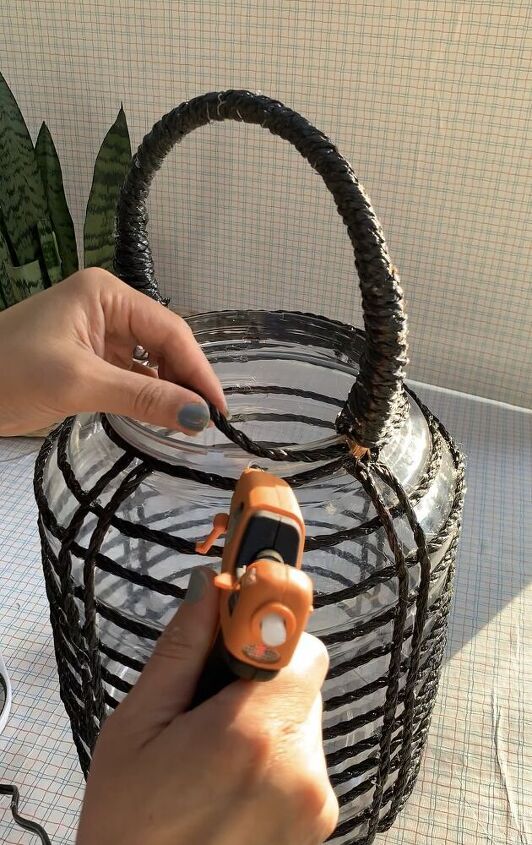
x,y
169,679
317,768
168,336
143,370
315,720
328,819
139,395
292,694
306,670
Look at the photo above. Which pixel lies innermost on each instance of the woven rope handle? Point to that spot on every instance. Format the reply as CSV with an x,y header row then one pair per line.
x,y
376,401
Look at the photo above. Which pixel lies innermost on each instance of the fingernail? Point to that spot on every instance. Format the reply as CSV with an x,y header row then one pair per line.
x,y
196,586
194,417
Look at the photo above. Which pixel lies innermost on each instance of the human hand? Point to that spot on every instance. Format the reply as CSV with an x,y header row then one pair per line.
x,y
245,766
69,349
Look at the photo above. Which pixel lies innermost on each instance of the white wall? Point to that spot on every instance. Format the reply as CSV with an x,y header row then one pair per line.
x,y
428,100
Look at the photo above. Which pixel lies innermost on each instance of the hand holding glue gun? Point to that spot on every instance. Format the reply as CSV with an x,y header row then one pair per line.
x,y
225,760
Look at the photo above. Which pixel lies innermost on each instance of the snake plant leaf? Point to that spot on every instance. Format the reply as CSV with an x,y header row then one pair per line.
x,y
26,279
18,287
50,251
21,190
6,288
110,171
8,294
52,179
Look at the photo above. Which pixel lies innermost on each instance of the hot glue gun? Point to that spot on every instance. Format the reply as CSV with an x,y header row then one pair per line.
x,y
265,598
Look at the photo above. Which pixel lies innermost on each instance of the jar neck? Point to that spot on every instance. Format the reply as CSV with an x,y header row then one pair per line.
x,y
286,376
210,451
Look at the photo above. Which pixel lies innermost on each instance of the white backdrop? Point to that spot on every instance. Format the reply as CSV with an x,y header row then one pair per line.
x,y
430,102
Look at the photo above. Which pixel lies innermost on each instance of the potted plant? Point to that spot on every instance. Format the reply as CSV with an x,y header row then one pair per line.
x,y
37,238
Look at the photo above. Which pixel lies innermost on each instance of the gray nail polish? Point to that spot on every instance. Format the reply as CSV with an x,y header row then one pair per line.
x,y
196,587
194,417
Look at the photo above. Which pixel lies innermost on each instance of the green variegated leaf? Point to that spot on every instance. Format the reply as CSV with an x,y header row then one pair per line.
x,y
6,287
18,286
110,171
5,246
52,178
50,251
8,294
21,190
26,279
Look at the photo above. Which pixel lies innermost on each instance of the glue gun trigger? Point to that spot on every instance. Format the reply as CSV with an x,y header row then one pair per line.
x,y
227,582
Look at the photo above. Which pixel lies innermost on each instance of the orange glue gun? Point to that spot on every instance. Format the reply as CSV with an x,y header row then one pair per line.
x,y
265,598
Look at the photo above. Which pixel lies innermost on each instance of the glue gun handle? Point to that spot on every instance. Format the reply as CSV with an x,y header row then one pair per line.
x,y
216,674
221,669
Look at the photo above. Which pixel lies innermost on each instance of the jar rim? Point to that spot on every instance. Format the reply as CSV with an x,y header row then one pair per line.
x,y
155,443
320,331
345,335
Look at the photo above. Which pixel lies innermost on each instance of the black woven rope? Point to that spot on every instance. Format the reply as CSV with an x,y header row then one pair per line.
x,y
87,684
419,625
422,712
125,489
220,482
376,402
281,454
187,547
364,475
376,405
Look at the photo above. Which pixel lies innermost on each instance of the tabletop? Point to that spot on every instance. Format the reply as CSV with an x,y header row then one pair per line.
x,y
475,784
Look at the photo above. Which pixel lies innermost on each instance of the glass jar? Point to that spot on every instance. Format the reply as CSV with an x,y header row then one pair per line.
x,y
122,504
286,377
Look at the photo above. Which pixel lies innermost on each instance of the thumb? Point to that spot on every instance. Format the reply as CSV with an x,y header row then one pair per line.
x,y
169,679
151,400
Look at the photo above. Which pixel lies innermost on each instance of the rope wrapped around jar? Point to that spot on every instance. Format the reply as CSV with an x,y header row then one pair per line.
x,y
376,407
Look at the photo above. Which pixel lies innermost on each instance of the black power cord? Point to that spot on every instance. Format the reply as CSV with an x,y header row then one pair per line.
x,y
26,824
